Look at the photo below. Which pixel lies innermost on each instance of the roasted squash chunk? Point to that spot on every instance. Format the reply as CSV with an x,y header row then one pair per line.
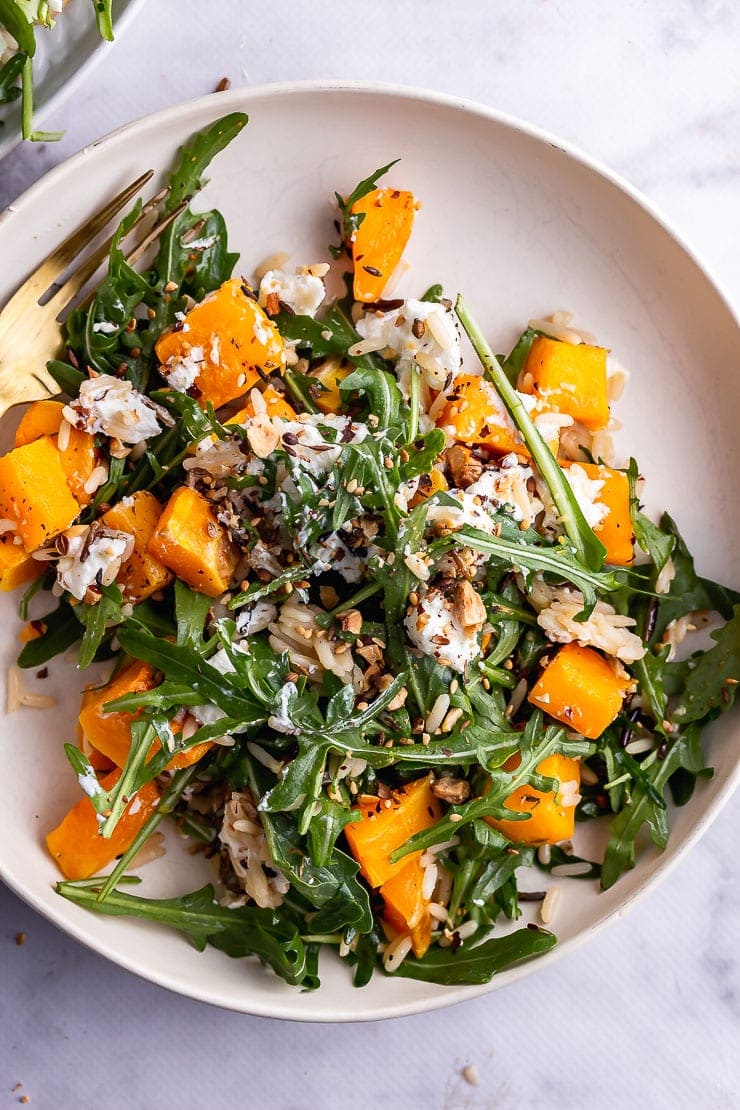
x,y
110,733
190,541
386,824
475,414
615,530
568,377
406,908
380,240
34,493
141,575
229,340
580,688
78,454
550,821
330,374
75,844
16,565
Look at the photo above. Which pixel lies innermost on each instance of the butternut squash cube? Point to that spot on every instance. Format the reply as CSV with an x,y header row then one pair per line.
x,y
79,456
34,493
109,734
550,821
388,823
330,373
406,908
231,339
380,240
568,377
580,688
76,845
615,530
16,565
475,414
429,484
141,575
190,541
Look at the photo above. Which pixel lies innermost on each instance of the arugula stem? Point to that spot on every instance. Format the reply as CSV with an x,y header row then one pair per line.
x,y
166,805
591,552
414,404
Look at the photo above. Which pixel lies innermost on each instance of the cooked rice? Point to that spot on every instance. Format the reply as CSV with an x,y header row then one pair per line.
x,y
549,905
557,608
676,632
396,952
310,648
249,853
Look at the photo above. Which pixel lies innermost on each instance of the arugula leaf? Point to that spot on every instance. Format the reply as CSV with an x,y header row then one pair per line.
x,y
685,751
688,592
61,630
473,964
589,550
271,935
97,619
183,665
382,392
104,18
191,610
711,682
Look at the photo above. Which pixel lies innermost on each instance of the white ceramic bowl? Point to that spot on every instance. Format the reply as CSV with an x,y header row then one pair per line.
x,y
522,226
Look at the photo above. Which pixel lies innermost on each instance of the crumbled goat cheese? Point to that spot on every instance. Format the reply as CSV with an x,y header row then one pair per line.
x,y
181,371
586,491
419,333
498,488
281,720
255,618
331,553
312,451
92,562
103,327
438,626
302,291
112,406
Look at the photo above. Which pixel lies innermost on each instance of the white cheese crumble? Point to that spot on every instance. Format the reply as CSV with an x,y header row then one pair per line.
x,y
113,407
419,333
436,629
255,618
90,562
303,291
181,371
331,553
312,451
281,720
586,491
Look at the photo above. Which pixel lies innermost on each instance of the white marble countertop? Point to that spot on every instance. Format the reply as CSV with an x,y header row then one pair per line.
x,y
648,1014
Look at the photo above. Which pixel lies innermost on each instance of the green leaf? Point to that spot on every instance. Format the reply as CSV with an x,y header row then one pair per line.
x,y
62,629
20,25
104,18
711,683
688,592
350,221
97,619
271,935
381,390
643,808
588,548
472,964
191,610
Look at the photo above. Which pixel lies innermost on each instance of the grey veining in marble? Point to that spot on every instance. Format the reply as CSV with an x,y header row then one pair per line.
x,y
648,1014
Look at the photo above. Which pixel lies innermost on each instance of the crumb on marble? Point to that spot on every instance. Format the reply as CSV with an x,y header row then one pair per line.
x,y
470,1075
20,938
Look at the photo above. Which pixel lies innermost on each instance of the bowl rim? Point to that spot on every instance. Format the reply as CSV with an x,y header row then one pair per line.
x,y
231,100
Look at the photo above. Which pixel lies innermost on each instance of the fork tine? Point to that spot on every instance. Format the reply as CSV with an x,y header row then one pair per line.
x,y
58,261
66,293
155,233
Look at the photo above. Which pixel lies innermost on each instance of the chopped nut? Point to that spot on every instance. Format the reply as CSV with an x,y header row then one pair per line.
x,y
468,607
263,436
464,467
351,621
454,791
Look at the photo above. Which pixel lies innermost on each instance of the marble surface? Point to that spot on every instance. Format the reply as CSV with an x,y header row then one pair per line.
x,y
648,1014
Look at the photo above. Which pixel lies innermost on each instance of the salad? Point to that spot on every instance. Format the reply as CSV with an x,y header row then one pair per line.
x,y
379,625
19,22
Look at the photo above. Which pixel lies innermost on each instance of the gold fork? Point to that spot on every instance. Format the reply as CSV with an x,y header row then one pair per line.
x,y
30,332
